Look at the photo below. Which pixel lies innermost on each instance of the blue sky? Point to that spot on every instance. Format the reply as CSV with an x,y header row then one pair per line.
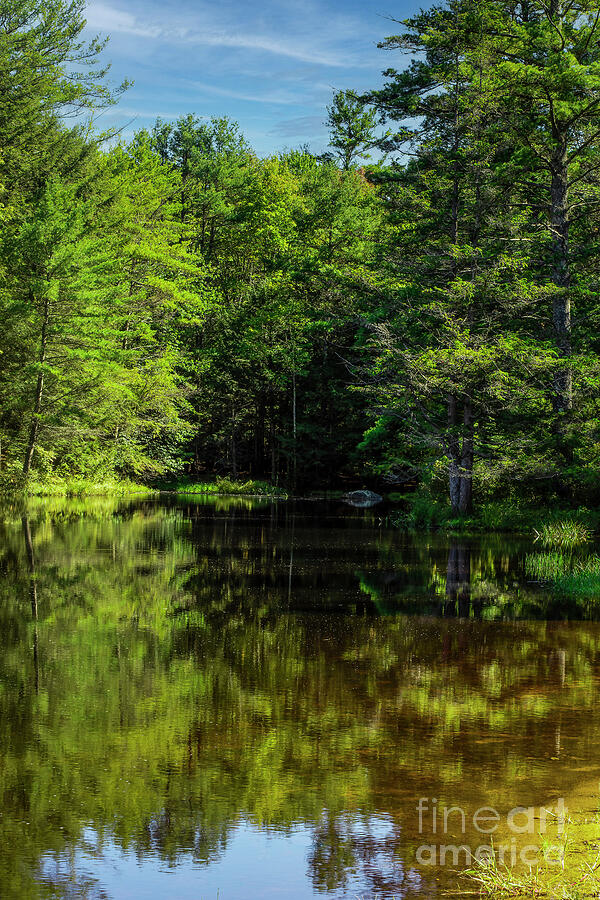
x,y
271,66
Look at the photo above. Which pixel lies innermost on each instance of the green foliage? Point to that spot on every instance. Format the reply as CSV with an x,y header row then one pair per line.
x,y
225,486
548,566
423,512
564,533
495,109
569,575
178,307
352,127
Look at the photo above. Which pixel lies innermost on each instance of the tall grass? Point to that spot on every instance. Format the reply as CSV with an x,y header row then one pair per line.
x,y
564,533
227,486
548,566
561,528
568,575
82,487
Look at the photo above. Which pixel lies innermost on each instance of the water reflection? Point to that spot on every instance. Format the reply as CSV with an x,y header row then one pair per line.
x,y
197,699
458,578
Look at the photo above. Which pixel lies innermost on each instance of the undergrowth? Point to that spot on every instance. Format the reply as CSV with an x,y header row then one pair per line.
x,y
70,487
559,527
225,486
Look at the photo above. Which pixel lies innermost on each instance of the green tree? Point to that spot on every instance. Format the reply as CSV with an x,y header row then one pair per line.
x,y
352,128
464,350
100,286
47,74
545,85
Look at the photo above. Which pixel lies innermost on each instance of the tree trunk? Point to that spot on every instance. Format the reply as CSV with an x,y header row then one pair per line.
x,y
39,393
234,467
561,276
461,454
465,503
458,576
453,455
454,451
259,438
294,431
33,595
211,241
272,442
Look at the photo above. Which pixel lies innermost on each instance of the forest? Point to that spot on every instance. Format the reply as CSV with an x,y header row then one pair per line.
x,y
414,310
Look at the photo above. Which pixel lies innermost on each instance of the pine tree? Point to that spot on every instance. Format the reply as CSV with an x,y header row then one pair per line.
x,y
545,85
352,127
453,341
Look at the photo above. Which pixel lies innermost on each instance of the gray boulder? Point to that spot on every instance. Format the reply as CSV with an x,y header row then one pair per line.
x,y
363,498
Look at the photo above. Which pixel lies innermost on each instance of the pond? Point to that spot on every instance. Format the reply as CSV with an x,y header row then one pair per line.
x,y
249,699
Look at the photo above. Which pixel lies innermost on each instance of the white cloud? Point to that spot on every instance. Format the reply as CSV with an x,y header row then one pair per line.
x,y
134,112
109,19
278,97
269,45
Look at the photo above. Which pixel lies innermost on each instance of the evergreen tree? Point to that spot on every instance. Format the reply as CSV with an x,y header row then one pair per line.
x,y
545,85
352,128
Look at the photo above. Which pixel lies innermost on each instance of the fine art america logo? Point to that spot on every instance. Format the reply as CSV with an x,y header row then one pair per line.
x,y
503,838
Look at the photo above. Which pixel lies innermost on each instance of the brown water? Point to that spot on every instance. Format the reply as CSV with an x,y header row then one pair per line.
x,y
247,700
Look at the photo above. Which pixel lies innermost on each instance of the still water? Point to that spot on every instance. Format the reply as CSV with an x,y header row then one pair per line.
x,y
246,700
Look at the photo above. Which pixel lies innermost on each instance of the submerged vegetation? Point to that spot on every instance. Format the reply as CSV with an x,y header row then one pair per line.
x,y
571,873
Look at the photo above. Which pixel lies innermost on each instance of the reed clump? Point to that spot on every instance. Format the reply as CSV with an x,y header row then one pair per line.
x,y
564,533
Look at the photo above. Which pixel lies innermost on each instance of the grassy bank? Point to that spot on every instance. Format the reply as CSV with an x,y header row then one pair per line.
x,y
557,525
71,487
223,487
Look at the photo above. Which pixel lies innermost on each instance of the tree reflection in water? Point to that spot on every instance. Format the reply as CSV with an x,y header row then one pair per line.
x,y
174,677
